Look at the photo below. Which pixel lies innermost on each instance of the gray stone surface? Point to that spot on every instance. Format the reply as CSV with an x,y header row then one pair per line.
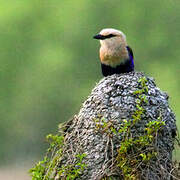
x,y
113,99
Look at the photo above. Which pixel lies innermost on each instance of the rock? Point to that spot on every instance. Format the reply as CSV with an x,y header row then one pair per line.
x,y
112,104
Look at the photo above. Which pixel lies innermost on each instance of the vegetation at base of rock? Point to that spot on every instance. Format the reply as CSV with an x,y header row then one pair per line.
x,y
44,169
48,168
72,171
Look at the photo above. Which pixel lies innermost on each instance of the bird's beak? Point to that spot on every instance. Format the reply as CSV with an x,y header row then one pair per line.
x,y
98,36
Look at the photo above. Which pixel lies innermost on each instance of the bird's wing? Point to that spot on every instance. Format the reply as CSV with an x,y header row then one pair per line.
x,y
130,51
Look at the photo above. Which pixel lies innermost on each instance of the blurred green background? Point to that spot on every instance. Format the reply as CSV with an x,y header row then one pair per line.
x,y
50,63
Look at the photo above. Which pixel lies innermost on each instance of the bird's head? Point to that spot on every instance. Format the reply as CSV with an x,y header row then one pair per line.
x,y
111,38
113,49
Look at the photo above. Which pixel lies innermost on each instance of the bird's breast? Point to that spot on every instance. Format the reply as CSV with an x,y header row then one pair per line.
x,y
113,57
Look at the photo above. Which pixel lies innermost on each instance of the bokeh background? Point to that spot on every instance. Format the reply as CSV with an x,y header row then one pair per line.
x,y
49,64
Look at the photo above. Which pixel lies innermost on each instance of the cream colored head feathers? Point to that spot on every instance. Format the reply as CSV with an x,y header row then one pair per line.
x,y
118,35
113,46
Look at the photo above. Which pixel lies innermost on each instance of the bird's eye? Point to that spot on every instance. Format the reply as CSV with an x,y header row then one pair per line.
x,y
110,35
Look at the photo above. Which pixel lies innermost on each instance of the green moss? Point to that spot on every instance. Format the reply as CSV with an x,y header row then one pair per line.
x,y
48,168
138,150
44,169
104,127
72,171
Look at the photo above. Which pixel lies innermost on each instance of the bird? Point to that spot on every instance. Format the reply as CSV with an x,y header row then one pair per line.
x,y
115,55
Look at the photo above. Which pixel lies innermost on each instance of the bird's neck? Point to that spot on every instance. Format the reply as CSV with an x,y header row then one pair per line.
x,y
113,55
125,66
